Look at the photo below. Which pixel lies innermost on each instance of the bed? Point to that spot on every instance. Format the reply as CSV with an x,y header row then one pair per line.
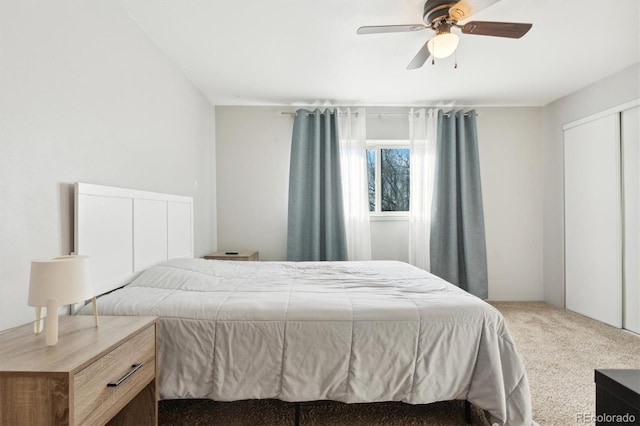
x,y
308,331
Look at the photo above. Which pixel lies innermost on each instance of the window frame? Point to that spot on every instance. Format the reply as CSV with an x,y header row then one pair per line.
x,y
377,145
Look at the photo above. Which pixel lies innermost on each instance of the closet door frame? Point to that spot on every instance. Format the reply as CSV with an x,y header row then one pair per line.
x,y
612,315
593,220
630,143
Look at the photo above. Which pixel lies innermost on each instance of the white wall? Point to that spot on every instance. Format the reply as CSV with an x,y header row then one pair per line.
x,y
614,90
87,96
510,146
253,147
390,239
253,179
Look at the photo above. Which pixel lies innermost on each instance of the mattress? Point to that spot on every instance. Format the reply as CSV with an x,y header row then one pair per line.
x,y
342,331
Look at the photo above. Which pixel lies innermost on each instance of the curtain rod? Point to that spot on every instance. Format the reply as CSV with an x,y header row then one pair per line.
x,y
415,114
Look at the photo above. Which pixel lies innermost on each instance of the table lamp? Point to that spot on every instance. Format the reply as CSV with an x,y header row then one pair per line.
x,y
58,281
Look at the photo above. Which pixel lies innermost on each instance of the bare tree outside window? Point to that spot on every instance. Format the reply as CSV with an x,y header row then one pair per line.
x,y
394,176
394,180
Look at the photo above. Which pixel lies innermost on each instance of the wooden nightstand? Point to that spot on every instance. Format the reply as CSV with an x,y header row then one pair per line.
x,y
93,375
242,255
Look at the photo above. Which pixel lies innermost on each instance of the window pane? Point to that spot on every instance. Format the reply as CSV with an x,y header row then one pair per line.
x,y
394,176
371,177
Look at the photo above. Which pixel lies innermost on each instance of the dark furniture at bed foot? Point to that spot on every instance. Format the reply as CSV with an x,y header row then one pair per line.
x,y
617,397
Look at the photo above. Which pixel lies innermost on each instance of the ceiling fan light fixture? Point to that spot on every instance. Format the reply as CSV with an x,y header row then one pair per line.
x,y
443,44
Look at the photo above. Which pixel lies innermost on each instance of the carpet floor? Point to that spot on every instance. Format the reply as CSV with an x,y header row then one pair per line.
x,y
560,350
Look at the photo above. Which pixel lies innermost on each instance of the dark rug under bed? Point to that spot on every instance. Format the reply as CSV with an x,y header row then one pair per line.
x,y
278,413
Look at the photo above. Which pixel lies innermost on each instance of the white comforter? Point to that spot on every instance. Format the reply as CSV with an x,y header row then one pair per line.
x,y
343,331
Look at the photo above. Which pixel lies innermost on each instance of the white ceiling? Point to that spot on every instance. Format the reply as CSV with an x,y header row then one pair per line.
x,y
304,52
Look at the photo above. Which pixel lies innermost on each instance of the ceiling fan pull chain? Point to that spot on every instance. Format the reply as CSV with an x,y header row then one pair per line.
x,y
455,59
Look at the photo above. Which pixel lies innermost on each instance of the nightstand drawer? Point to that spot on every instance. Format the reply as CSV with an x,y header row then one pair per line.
x,y
94,400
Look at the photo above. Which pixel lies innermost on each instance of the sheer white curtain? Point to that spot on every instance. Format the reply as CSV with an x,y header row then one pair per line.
x,y
355,190
422,139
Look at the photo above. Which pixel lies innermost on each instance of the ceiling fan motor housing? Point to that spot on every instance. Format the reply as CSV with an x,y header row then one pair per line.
x,y
436,12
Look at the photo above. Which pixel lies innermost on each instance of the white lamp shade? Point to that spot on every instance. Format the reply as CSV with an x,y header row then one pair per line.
x,y
65,279
443,45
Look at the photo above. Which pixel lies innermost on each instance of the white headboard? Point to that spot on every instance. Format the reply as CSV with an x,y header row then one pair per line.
x,y
125,231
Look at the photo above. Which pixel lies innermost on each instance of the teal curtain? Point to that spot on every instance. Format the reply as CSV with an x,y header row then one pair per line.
x,y
458,250
316,227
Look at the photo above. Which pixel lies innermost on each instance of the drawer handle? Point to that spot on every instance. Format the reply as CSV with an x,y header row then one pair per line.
x,y
134,368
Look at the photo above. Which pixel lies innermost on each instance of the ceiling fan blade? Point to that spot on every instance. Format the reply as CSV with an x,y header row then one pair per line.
x,y
420,58
496,29
379,29
465,8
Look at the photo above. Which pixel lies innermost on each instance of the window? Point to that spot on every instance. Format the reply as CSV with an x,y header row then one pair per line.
x,y
388,172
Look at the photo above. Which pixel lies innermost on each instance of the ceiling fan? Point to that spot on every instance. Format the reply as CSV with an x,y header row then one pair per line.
x,y
443,15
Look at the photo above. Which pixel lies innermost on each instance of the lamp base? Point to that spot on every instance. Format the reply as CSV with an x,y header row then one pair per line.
x,y
95,310
37,326
51,322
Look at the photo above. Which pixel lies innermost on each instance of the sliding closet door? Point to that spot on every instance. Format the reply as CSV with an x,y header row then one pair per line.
x,y
630,135
593,242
